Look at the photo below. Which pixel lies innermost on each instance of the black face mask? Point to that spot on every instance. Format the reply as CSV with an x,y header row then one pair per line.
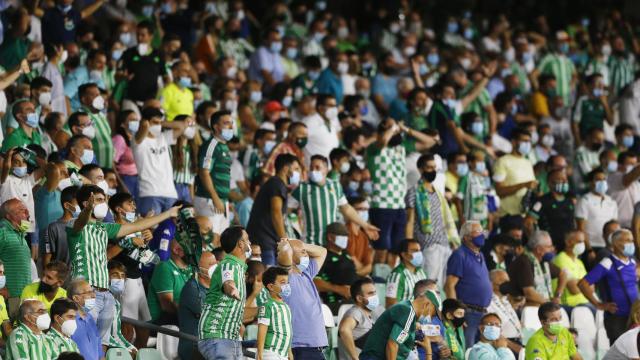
x,y
395,140
457,322
596,146
301,142
429,176
44,287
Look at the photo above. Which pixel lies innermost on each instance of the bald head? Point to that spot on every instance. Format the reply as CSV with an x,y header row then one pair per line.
x,y
498,277
29,310
207,259
204,223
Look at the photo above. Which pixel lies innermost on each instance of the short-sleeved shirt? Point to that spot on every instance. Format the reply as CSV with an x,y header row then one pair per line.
x,y
102,143
167,278
474,286
385,86
155,169
589,114
337,269
276,315
389,176
55,241
320,205
48,208
401,281
625,196
123,156
541,347
610,270
522,275
88,252
265,60
596,211
555,216
562,68
330,83
397,323
31,292
16,256
364,323
260,227
145,70
87,337
511,170
59,343
19,138
214,156
306,309
162,237
221,314
24,344
576,271
176,101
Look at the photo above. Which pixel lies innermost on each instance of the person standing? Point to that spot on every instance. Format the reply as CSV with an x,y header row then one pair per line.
x,y
468,278
212,184
223,310
430,221
267,219
569,261
560,66
304,261
594,209
93,104
618,271
274,317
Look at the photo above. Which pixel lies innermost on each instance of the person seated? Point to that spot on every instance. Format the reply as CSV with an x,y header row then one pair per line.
x,y
339,271
27,340
569,262
49,288
63,326
501,305
117,277
553,341
359,319
492,344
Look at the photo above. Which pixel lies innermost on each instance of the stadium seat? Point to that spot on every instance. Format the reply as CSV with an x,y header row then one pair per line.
x,y
341,311
565,318
118,354
151,354
602,343
168,345
381,290
251,332
381,271
583,321
521,354
600,319
467,354
328,317
530,322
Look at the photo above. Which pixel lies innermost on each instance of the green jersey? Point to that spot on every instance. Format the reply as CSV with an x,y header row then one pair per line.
x,y
59,343
276,315
116,339
167,277
478,106
102,143
397,323
16,256
320,205
621,71
389,176
589,113
263,297
215,157
24,344
184,175
88,252
563,69
401,281
455,341
221,314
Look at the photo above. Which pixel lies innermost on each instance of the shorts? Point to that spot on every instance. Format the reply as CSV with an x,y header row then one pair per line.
x,y
391,223
134,300
271,355
204,207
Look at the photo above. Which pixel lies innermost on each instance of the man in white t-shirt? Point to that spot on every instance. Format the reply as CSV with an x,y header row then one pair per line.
x,y
151,152
325,125
595,208
625,347
624,187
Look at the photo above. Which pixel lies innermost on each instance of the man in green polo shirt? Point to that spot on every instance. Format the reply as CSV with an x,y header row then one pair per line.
x,y
88,237
14,251
552,341
168,279
93,104
393,334
592,109
27,132
28,340
223,309
213,181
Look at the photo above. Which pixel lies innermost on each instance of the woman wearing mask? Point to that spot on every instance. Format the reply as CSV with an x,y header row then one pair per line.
x,y
453,316
184,153
127,124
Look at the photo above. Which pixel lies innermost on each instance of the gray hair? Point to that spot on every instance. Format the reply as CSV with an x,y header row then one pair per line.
x,y
74,287
493,273
467,227
616,235
536,238
26,308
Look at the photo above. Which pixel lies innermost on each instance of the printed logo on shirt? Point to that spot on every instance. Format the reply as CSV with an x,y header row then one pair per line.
x,y
227,275
402,337
392,289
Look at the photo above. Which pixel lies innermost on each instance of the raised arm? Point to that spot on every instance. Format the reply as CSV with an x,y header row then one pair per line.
x,y
147,222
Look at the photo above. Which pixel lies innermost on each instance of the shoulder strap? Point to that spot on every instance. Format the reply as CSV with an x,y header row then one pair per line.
x,y
624,288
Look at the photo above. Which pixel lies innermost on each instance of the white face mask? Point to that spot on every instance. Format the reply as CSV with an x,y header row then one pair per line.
x,y
89,131
155,130
102,184
98,103
44,98
331,113
190,132
69,327
143,49
100,211
43,322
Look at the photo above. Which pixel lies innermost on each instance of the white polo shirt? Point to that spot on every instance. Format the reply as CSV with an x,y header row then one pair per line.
x,y
596,211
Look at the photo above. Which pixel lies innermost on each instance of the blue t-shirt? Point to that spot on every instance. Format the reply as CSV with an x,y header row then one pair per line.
x,y
474,286
162,237
615,290
385,86
329,83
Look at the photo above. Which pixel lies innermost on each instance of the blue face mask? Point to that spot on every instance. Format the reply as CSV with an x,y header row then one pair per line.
x,y
268,146
367,187
256,96
481,167
462,169
292,53
564,48
354,185
612,166
304,263
452,27
423,69
478,240
524,148
597,92
548,256
32,120
313,75
601,187
477,128
184,82
468,33
294,179
629,249
76,212
20,171
416,259
275,47
491,333
117,286
364,110
286,101
64,8
130,216
433,58
627,141
373,302
285,291
227,134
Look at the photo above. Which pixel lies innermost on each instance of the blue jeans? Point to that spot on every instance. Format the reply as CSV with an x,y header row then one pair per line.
x,y
220,349
471,333
156,203
131,182
269,257
183,192
103,313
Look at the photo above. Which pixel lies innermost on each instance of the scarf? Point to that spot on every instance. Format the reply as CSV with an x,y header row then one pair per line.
x,y
423,208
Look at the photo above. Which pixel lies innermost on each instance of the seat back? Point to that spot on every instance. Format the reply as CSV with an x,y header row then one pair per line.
x,y
602,343
467,354
118,354
150,354
565,318
530,322
328,317
381,290
167,345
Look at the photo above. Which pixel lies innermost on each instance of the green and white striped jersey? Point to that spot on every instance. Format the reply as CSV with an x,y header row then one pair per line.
x,y
23,344
221,314
88,252
102,143
320,205
621,72
58,343
563,69
116,339
401,281
276,315
184,175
